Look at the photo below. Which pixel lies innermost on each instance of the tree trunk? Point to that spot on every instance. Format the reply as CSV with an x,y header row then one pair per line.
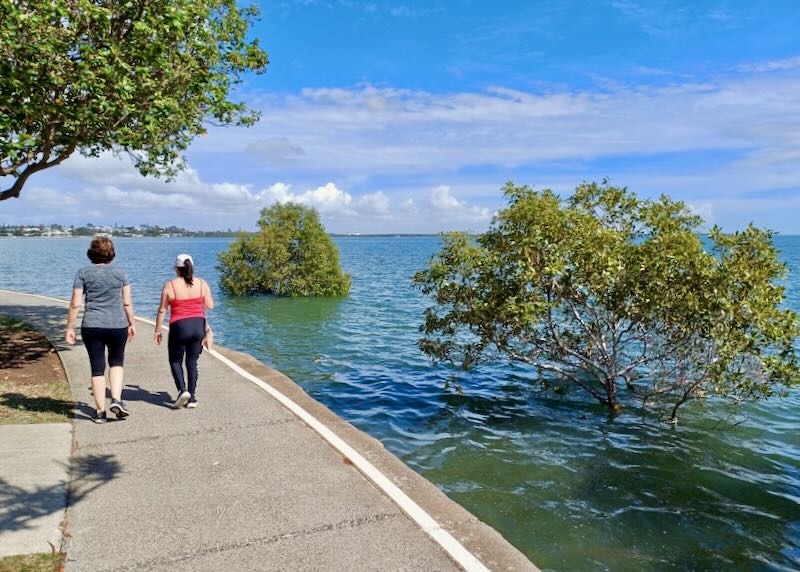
x,y
611,395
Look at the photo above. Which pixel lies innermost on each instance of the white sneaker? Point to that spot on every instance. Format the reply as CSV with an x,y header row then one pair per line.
x,y
182,400
192,403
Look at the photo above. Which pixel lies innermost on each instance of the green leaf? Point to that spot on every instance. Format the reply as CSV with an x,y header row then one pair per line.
x,y
616,295
291,255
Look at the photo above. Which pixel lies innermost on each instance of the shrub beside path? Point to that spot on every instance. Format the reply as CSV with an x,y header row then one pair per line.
x,y
241,482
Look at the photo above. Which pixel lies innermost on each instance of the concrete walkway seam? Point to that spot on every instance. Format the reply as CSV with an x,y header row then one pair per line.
x,y
463,557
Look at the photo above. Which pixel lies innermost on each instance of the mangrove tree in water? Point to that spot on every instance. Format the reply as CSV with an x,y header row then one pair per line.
x,y
291,255
614,294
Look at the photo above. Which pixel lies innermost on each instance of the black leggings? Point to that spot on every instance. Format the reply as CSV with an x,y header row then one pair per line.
x,y
186,336
97,340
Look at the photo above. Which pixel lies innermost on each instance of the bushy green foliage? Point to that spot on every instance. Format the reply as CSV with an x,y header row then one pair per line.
x,y
132,76
613,293
291,255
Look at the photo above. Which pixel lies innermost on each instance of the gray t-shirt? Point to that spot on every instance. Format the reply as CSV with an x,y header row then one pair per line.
x,y
102,289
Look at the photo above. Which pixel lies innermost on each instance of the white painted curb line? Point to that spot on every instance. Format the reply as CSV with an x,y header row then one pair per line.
x,y
463,557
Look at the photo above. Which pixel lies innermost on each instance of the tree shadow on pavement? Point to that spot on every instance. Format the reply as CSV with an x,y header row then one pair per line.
x,y
21,346
36,404
50,320
19,506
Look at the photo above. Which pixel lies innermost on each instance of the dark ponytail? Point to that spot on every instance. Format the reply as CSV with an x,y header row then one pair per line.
x,y
187,271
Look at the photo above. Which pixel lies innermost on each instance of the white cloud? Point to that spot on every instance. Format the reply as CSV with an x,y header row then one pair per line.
x,y
327,199
275,150
115,188
137,199
442,201
45,197
382,149
330,200
398,132
115,182
772,66
373,9
120,181
374,203
445,204
705,210
40,204
408,206
656,17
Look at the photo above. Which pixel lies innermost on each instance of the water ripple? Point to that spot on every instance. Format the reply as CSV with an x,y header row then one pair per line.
x,y
569,486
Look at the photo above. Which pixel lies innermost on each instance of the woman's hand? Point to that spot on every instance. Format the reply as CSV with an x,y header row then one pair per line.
x,y
70,336
131,331
208,341
158,336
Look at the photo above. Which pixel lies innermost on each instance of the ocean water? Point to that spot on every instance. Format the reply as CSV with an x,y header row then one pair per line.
x,y
571,487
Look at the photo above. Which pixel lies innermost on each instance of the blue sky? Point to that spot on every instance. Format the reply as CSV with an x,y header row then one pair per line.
x,y
409,116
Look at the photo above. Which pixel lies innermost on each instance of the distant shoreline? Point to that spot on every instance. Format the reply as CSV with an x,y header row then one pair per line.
x,y
380,234
234,235
119,236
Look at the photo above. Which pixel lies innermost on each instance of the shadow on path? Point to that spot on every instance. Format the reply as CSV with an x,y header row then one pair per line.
x,y
21,506
36,404
139,393
49,319
20,347
84,411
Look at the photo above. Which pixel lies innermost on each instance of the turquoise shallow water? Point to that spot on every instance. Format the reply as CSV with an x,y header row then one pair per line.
x,y
570,487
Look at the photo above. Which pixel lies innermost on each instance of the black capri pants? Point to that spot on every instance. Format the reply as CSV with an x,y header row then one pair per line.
x,y
97,340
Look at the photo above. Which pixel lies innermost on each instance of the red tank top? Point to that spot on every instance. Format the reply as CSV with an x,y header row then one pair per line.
x,y
187,308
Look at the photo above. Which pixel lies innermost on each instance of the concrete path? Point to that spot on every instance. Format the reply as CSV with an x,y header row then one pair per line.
x,y
241,482
33,486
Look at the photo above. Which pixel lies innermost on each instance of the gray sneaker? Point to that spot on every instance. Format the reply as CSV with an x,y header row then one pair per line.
x,y
182,400
118,409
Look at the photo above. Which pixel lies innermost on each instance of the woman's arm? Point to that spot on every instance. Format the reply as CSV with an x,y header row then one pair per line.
x,y
208,340
127,305
209,300
162,311
74,306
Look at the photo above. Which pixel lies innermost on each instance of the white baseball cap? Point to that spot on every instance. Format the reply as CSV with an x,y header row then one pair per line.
x,y
181,258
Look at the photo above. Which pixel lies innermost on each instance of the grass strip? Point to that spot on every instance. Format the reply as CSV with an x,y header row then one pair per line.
x,y
41,562
33,384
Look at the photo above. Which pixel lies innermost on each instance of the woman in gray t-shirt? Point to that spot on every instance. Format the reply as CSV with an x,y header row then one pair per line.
x,y
107,323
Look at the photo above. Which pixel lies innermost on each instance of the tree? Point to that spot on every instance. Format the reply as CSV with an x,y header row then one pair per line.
x,y
614,294
132,76
291,255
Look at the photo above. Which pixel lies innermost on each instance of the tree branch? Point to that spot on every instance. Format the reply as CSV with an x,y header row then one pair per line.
x,y
574,379
16,188
563,347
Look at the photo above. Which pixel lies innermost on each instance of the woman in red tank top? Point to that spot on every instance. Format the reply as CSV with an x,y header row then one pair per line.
x,y
187,297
